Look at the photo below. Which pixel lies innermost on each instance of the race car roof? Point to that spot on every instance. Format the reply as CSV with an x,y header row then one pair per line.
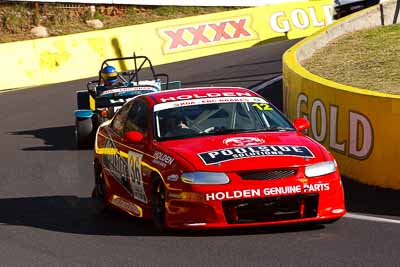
x,y
201,92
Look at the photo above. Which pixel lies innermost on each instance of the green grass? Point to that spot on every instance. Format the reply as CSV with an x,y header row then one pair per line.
x,y
16,20
367,59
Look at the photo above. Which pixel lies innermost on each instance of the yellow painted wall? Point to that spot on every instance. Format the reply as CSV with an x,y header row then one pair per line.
x,y
71,57
360,127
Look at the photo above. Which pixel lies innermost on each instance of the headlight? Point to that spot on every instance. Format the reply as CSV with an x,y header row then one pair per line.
x,y
320,169
204,178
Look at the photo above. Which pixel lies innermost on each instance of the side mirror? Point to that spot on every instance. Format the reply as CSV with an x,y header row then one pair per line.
x,y
133,137
301,124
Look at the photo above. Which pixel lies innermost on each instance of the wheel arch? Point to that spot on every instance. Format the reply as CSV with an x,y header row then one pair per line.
x,y
156,175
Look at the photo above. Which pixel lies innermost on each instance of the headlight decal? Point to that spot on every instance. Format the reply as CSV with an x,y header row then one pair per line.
x,y
204,178
320,169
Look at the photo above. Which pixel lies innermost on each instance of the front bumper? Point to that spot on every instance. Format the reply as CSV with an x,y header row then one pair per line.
x,y
258,203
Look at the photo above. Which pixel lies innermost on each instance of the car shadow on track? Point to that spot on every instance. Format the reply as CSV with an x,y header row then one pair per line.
x,y
77,215
362,198
54,138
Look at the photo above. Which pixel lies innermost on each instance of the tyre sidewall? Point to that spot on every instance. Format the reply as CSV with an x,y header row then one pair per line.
x,y
84,132
156,185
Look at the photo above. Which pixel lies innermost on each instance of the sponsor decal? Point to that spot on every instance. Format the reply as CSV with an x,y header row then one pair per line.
x,y
116,164
192,36
325,122
126,205
135,176
216,100
173,177
216,156
263,106
243,141
127,171
205,95
127,89
162,159
300,19
311,188
268,191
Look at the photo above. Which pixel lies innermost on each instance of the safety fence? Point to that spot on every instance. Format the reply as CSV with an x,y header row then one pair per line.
x,y
76,56
360,127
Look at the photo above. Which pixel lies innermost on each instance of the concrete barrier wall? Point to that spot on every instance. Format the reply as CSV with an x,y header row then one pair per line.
x,y
70,57
360,127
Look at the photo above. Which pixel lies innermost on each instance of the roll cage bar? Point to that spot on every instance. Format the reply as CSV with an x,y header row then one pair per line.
x,y
131,76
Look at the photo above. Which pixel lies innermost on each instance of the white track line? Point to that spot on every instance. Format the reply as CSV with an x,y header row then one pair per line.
x,y
356,216
265,84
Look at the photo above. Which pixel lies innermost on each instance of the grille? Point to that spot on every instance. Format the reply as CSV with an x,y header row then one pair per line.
x,y
271,209
268,175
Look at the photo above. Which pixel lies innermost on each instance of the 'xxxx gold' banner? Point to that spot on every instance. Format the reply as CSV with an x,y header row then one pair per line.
x,y
59,59
243,28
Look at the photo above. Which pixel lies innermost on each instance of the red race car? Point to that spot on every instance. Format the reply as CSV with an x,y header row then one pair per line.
x,y
211,158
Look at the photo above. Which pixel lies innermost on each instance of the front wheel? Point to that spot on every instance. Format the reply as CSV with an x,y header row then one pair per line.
x,y
99,193
158,203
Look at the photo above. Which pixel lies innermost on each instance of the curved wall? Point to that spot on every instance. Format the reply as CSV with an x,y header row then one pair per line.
x,y
360,127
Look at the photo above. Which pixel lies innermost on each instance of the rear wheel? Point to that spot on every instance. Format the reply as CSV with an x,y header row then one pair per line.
x,y
158,203
84,133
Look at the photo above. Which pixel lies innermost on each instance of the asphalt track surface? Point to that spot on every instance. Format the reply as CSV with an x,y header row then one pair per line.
x,y
47,216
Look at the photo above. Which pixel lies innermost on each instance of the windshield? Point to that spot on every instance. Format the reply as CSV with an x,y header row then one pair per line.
x,y
186,119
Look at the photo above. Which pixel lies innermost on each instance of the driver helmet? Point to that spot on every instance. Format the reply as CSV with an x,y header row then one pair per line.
x,y
109,75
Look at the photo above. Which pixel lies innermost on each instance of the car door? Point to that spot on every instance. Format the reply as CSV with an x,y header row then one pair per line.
x,y
137,153
115,164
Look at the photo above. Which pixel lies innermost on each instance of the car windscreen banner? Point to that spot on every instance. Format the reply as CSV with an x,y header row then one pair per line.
x,y
243,3
215,100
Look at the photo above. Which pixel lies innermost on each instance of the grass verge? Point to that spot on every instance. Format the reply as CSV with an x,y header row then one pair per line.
x,y
367,59
17,19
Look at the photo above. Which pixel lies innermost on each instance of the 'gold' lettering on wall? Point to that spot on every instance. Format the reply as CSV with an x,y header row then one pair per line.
x,y
325,122
282,21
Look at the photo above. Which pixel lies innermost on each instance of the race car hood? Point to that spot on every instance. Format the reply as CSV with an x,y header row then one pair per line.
x,y
248,151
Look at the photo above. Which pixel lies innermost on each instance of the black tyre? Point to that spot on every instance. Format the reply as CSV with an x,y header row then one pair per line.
x,y
82,100
99,193
158,203
84,133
